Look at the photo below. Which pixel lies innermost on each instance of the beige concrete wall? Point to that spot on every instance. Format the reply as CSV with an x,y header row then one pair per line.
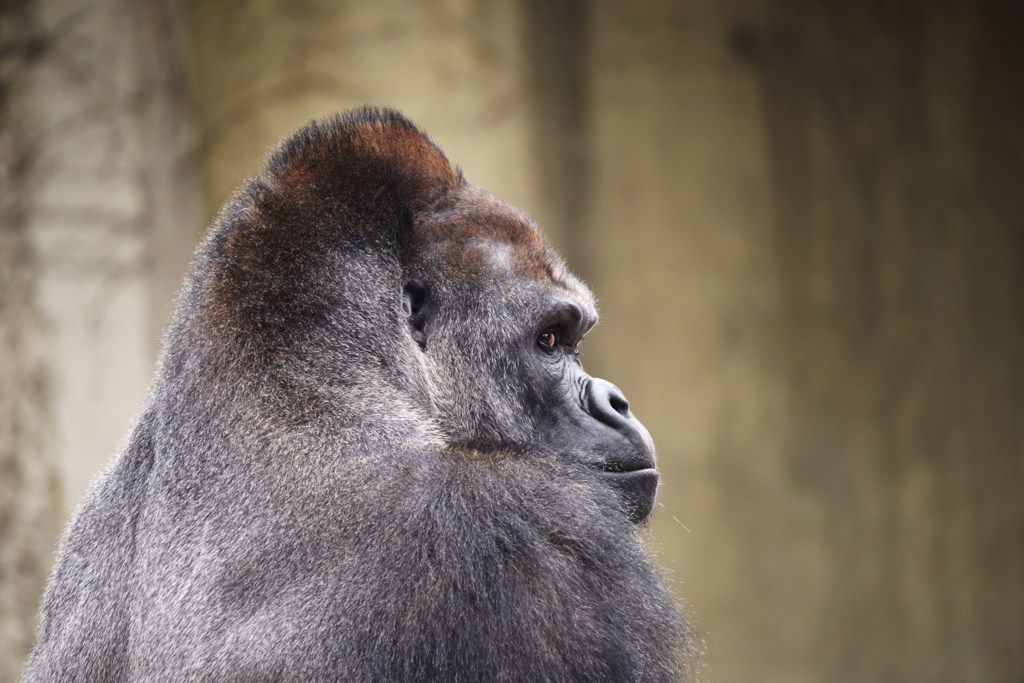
x,y
807,237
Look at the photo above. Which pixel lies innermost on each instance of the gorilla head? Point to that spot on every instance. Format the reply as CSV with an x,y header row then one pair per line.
x,y
498,321
371,452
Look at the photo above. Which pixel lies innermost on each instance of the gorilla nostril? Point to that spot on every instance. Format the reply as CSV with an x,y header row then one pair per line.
x,y
607,403
619,404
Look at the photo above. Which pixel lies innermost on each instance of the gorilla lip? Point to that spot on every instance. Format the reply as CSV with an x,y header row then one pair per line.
x,y
646,478
627,467
647,472
638,490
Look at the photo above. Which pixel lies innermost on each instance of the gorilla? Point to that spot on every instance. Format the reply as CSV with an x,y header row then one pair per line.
x,y
370,452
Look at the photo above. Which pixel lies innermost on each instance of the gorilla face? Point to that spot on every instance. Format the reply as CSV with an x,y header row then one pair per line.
x,y
493,307
588,418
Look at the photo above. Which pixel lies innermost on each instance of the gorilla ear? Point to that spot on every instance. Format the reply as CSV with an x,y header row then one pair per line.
x,y
420,311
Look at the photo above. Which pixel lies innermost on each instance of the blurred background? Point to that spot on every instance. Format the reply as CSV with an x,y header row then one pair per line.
x,y
804,223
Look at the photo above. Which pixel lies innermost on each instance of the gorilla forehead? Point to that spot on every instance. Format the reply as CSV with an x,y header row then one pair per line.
x,y
486,239
478,232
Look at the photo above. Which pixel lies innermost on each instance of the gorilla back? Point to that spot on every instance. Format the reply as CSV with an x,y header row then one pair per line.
x,y
370,454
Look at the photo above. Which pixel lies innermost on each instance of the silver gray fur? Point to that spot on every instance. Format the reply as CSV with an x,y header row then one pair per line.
x,y
309,496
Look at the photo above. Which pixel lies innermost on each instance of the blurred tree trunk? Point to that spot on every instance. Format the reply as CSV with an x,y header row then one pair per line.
x,y
99,214
28,497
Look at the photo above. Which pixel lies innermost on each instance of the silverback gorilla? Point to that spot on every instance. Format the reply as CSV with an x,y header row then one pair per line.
x,y
370,453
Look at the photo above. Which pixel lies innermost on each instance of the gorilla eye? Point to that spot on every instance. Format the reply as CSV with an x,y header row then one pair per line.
x,y
548,340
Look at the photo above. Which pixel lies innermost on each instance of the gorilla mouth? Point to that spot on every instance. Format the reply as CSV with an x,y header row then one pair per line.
x,y
625,467
637,490
632,458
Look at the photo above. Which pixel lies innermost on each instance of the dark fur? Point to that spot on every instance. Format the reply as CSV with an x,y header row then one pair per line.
x,y
309,496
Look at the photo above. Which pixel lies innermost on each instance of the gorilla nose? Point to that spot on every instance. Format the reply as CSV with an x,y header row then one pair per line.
x,y
607,404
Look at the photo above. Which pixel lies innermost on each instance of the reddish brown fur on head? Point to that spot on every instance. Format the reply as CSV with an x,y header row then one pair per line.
x,y
359,150
484,233
367,182
449,214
